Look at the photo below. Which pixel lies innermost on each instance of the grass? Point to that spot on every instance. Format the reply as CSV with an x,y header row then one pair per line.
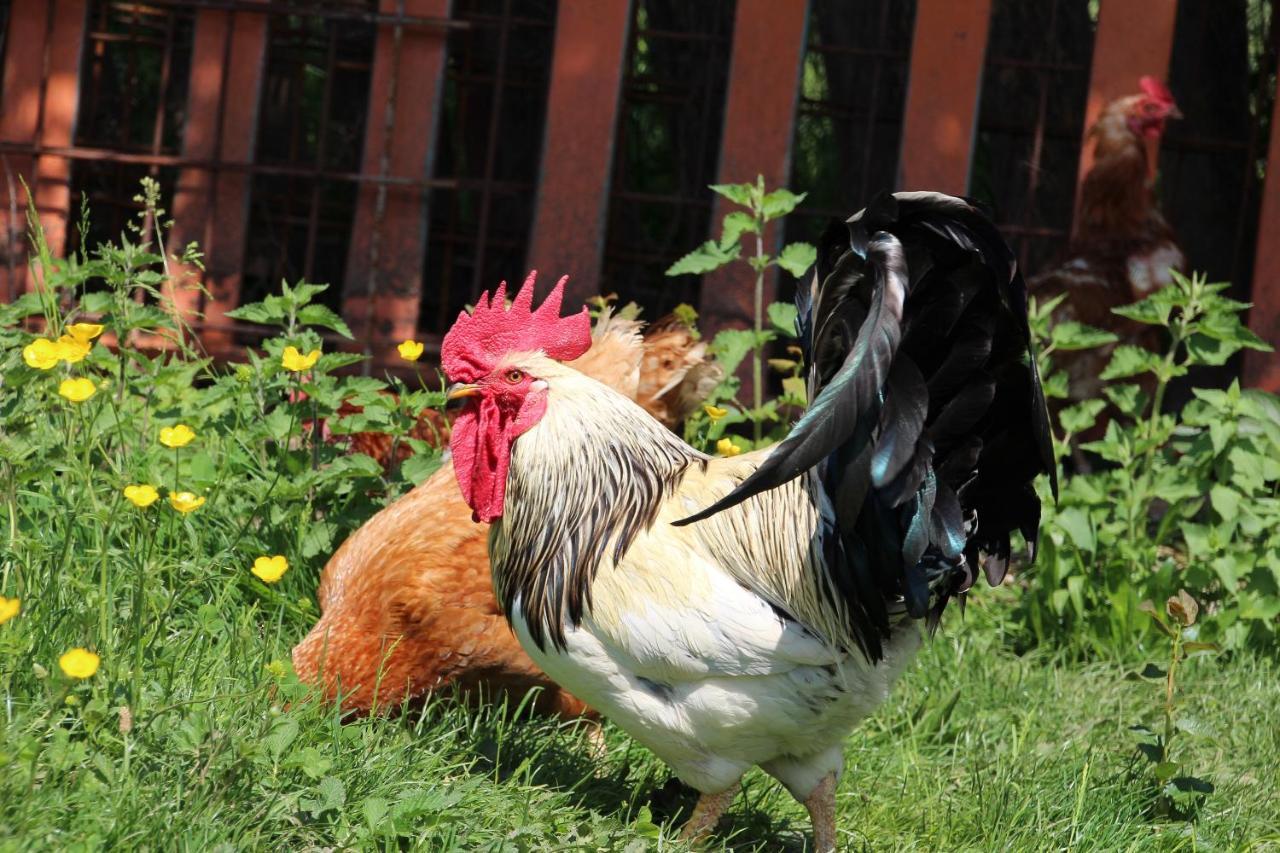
x,y
979,748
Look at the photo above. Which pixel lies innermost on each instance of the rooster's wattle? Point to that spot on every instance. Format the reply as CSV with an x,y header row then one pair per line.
x,y
735,612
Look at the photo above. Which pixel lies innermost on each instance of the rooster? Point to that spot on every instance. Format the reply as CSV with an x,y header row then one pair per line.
x,y
749,611
1122,248
407,604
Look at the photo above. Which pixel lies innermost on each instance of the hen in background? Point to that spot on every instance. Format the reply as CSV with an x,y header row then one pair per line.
x,y
1122,248
407,602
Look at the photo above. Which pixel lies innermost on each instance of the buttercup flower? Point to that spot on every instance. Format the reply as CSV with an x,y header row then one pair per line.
x,y
72,350
270,569
177,436
141,496
296,361
410,350
185,502
79,663
84,331
9,608
77,390
715,412
41,354
725,447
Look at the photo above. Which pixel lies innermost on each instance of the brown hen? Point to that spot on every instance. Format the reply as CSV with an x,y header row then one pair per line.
x,y
407,602
1122,248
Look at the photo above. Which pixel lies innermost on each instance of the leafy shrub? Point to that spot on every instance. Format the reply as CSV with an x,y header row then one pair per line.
x,y
1187,500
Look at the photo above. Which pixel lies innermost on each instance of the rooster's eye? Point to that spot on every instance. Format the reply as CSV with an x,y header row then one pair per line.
x,y
514,376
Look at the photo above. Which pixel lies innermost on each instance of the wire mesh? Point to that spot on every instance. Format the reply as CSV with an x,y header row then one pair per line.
x,y
492,119
312,113
1031,122
853,93
667,147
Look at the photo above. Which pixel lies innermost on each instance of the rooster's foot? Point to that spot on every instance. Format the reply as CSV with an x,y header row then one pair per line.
x,y
707,812
821,805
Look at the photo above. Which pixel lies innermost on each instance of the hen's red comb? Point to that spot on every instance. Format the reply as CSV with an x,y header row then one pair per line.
x,y
477,340
1155,90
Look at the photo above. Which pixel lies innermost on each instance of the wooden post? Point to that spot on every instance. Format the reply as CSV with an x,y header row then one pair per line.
x,y
392,274
227,65
1262,369
19,124
948,51
577,152
46,39
1134,38
759,122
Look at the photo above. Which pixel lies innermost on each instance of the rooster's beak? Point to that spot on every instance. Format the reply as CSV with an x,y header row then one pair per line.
x,y
461,389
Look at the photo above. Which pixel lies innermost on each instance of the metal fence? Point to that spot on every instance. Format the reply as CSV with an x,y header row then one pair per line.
x,y
395,148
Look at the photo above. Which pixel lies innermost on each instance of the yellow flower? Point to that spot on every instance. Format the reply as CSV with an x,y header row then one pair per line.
x,y
41,354
177,436
79,663
9,608
725,447
141,496
715,412
410,350
185,502
297,362
270,569
72,350
84,331
77,390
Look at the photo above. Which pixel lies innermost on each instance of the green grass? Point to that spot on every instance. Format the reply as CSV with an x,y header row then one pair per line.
x,y
978,749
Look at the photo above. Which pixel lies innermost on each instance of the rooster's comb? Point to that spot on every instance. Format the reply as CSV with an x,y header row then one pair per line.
x,y
1155,90
477,340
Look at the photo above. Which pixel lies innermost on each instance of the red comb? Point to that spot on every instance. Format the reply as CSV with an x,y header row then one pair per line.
x,y
477,340
1155,90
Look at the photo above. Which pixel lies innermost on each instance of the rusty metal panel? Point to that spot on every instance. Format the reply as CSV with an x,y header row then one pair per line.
x,y
764,78
20,111
1121,57
942,94
388,238
1262,369
582,111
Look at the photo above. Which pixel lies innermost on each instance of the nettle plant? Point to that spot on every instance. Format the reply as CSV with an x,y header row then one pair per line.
x,y
742,236
1180,500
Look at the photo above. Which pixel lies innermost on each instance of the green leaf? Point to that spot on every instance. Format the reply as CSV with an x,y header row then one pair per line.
x,y
795,388
1128,397
420,466
783,317
310,761
736,193
1075,522
1070,335
736,224
707,257
272,311
1225,501
1153,311
797,258
1081,416
324,316
331,795
780,202
1129,360
731,346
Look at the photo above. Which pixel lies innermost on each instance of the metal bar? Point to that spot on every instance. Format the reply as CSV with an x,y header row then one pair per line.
x,y
571,212
1119,59
312,10
1262,369
945,82
764,83
313,213
478,282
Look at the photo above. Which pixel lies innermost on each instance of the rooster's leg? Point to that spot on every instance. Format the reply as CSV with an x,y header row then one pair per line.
x,y
821,805
707,812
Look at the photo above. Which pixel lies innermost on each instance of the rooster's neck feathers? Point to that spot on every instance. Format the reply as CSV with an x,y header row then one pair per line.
x,y
582,485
